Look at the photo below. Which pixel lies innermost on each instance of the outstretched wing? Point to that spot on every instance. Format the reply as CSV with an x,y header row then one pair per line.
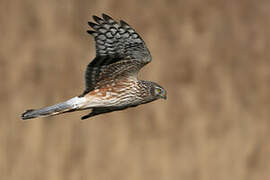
x,y
119,50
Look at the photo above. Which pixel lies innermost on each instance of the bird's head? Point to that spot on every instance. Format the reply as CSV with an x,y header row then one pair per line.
x,y
158,92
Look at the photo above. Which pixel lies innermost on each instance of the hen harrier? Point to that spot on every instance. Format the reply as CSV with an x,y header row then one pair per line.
x,y
111,78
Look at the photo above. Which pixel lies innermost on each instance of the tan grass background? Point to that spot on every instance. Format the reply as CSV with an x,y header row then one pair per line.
x,y
212,56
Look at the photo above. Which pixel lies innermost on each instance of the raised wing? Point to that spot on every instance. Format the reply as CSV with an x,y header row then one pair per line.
x,y
118,49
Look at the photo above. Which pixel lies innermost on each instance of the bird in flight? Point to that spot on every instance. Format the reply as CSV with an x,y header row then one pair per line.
x,y
111,82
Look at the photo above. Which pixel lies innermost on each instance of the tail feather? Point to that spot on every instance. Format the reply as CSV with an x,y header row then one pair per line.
x,y
68,106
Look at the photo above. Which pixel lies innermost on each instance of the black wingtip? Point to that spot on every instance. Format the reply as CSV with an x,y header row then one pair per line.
x,y
90,32
124,24
97,19
106,17
93,25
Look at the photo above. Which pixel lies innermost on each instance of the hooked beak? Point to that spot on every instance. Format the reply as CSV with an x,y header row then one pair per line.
x,y
164,96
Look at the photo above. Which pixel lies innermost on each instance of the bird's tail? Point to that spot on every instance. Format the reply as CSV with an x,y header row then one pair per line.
x,y
68,106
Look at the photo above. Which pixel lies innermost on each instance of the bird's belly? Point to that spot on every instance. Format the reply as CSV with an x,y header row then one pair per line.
x,y
109,99
101,102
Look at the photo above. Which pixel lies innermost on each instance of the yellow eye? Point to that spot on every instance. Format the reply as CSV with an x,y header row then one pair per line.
x,y
158,91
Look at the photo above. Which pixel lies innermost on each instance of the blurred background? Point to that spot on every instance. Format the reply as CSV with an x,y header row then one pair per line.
x,y
211,56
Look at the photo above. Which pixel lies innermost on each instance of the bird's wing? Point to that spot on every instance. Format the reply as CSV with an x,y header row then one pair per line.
x,y
119,50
